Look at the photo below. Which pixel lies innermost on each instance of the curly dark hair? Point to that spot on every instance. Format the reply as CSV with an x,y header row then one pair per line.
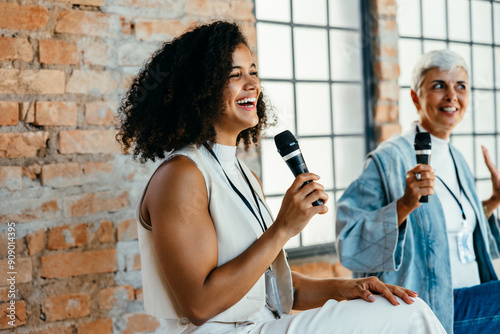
x,y
178,95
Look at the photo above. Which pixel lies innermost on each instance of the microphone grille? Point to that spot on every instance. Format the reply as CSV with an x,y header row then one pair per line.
x,y
423,141
286,143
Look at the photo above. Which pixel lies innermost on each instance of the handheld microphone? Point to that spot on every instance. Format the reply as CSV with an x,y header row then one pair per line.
x,y
423,153
289,149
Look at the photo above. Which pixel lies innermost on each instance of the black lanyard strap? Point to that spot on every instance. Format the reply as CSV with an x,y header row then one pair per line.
x,y
262,224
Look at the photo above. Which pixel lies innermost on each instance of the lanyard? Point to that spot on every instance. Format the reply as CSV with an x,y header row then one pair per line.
x,y
262,224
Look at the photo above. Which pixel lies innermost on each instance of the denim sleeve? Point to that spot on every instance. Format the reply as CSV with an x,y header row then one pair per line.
x,y
368,238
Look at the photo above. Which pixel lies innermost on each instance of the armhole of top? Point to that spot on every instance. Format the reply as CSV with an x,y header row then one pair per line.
x,y
141,218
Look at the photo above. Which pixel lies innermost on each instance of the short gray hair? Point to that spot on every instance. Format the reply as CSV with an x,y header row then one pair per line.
x,y
445,60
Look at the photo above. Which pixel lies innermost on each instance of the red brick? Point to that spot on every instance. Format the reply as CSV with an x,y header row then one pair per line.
x,y
13,81
97,167
29,210
36,241
385,7
82,23
385,70
167,6
58,329
27,112
8,50
96,3
134,54
93,203
87,142
32,171
95,53
20,316
116,296
4,294
62,175
140,323
127,230
139,295
240,10
11,177
58,52
68,236
101,326
79,263
92,82
56,113
158,30
386,131
23,267
62,307
387,91
386,113
22,145
15,48
13,16
100,113
9,113
105,232
133,262
126,26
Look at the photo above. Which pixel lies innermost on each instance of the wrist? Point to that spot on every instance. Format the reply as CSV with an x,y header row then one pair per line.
x,y
490,205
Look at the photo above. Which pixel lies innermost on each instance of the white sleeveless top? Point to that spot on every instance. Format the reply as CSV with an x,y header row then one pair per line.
x,y
236,230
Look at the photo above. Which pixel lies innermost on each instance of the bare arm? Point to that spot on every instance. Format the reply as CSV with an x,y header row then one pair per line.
x,y
186,244
492,203
314,292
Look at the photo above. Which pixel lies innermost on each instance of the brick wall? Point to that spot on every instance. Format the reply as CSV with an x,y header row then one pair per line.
x,y
63,67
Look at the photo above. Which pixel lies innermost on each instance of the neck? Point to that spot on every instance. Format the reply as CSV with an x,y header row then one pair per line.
x,y
226,139
443,134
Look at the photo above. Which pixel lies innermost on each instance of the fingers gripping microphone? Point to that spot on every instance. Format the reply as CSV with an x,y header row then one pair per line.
x,y
288,148
423,152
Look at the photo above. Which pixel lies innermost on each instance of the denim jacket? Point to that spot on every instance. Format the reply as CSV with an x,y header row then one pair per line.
x,y
414,255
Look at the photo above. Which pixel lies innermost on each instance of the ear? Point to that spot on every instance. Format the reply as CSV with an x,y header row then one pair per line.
x,y
414,98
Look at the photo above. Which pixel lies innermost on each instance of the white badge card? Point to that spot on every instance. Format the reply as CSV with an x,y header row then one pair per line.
x,y
272,295
465,246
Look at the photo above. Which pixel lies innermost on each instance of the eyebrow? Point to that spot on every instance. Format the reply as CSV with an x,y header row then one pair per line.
x,y
443,81
238,67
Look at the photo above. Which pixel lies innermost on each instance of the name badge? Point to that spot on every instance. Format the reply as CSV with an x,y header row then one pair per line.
x,y
465,246
272,296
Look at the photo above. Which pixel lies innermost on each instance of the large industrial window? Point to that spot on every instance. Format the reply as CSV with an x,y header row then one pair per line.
x,y
310,58
471,28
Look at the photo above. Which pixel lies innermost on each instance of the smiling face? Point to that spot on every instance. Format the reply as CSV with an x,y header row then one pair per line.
x,y
241,96
443,100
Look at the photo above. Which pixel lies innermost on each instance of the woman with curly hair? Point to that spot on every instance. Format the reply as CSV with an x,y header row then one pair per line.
x,y
211,253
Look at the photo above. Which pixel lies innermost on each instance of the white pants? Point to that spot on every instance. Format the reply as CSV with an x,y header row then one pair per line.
x,y
355,316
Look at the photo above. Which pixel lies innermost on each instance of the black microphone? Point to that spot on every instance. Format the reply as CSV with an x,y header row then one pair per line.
x,y
423,152
289,149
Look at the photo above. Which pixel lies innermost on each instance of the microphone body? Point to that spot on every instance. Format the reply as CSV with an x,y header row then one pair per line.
x,y
289,149
423,153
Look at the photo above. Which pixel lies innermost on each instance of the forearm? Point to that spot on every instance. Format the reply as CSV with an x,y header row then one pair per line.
x,y
314,292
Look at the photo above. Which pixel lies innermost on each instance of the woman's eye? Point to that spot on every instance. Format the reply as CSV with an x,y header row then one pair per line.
x,y
235,75
462,87
438,86
254,73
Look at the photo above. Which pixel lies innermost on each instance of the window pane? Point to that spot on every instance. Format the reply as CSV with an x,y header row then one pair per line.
x,y
481,22
276,176
345,55
498,111
482,71
458,20
317,154
434,18
496,12
309,12
348,115
484,112
276,10
409,52
434,45
280,100
313,109
407,111
497,66
464,51
311,53
489,143
344,13
321,228
349,159
274,40
465,145
408,18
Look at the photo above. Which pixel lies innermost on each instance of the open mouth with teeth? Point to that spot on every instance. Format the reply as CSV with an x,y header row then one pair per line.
x,y
449,110
247,103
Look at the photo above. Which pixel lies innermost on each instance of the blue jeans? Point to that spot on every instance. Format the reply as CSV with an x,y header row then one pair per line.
x,y
477,309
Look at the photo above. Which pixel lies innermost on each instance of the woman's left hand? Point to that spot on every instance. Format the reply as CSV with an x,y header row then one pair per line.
x,y
494,201
363,288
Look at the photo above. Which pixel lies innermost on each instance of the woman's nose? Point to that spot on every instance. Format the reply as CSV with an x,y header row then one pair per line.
x,y
451,94
252,83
